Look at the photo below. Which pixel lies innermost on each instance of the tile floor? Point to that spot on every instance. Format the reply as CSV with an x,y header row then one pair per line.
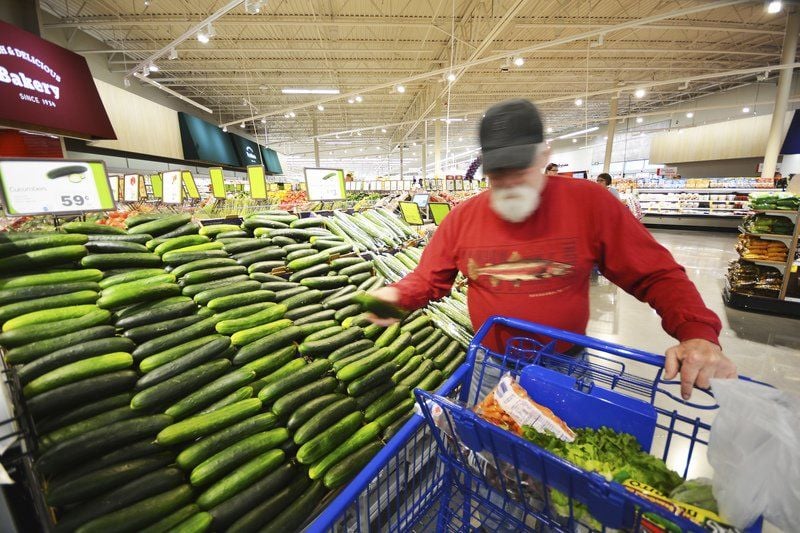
x,y
764,347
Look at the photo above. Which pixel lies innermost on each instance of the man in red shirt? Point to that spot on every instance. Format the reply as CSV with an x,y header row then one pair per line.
x,y
528,245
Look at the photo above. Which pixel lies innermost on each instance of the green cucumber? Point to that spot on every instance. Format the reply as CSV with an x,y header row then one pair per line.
x,y
153,346
141,219
198,288
36,349
359,268
190,228
262,254
91,228
121,260
299,246
202,264
329,344
165,311
142,273
264,366
345,470
224,303
241,478
12,311
173,520
264,266
77,394
448,354
246,310
388,336
390,416
350,349
378,307
288,293
359,279
296,513
39,243
141,448
392,430
45,316
400,343
327,440
178,386
287,404
205,297
265,511
221,463
403,357
436,348
425,368
140,334
140,514
343,262
431,381
210,274
355,442
270,343
367,284
56,423
305,262
278,286
324,282
23,299
369,397
213,230
296,254
309,222
161,225
451,367
201,425
149,306
138,239
420,335
77,371
177,258
270,314
243,337
301,414
177,243
73,430
139,294
137,284
173,361
52,278
310,272
236,396
324,419
296,234
210,392
364,365
408,368
372,379
201,450
35,333
115,247
309,373
323,315
198,523
247,245
312,328
358,356
347,311
323,333
265,278
342,301
301,312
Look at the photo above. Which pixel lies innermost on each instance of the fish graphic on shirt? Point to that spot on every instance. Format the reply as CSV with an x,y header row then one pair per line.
x,y
517,270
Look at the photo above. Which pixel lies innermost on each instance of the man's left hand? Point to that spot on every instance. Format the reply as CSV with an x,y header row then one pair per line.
x,y
698,360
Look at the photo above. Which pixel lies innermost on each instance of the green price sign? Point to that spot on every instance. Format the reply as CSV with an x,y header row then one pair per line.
x,y
439,210
189,184
217,182
411,213
258,182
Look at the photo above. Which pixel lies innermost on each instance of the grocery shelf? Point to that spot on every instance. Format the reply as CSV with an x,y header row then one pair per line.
x,y
763,304
782,212
780,265
769,236
729,190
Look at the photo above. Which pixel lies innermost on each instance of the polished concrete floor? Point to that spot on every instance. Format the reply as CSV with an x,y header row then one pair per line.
x,y
763,347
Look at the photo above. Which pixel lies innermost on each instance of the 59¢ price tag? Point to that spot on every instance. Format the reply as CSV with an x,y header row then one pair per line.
x,y
37,186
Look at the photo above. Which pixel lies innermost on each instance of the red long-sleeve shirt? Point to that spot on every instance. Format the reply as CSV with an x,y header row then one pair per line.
x,y
538,270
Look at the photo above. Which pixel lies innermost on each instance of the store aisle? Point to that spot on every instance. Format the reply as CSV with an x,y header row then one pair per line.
x,y
764,347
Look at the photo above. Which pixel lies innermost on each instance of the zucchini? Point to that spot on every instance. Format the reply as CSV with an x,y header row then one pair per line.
x,y
267,510
66,454
168,309
73,430
359,439
177,258
324,419
291,401
210,392
379,308
36,349
141,293
19,309
241,478
264,366
91,228
140,514
327,440
160,226
326,345
296,513
345,470
34,333
201,425
153,346
173,520
126,277
372,379
121,260
224,303
140,334
223,462
302,413
42,258
202,264
77,371
259,319
201,450
172,361
364,365
322,315
26,297
309,373
178,386
205,297
312,271
115,247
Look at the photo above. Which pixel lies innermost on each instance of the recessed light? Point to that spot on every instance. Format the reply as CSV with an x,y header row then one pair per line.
x,y
689,114
400,88
351,101
745,110
574,140
320,107
639,120
774,7
639,93
359,99
579,102
383,130
225,128
451,77
518,61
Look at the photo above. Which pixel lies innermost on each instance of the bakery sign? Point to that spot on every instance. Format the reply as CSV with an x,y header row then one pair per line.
x,y
45,87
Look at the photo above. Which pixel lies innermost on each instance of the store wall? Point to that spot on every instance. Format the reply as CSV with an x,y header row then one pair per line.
x,y
743,167
21,13
142,126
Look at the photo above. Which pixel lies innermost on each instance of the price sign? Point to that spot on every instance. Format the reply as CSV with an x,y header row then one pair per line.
x,y
325,184
142,188
47,186
189,185
172,187
258,184
113,182
217,182
439,210
130,191
411,213
157,184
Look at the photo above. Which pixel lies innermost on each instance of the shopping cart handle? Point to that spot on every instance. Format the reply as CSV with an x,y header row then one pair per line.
x,y
566,336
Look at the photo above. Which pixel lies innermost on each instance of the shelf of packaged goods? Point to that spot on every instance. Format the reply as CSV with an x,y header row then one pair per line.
x,y
724,190
765,304
704,213
781,212
769,236
780,265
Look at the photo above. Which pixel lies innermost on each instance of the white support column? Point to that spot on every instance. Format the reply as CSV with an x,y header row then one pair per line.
x,y
424,173
776,132
612,128
316,141
437,148
401,160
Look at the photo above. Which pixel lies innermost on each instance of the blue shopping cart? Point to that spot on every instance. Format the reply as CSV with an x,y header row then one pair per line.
x,y
489,479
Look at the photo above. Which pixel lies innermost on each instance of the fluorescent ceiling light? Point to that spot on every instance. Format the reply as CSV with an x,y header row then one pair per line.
x,y
153,67
242,125
351,101
309,91
263,120
574,140
576,133
448,120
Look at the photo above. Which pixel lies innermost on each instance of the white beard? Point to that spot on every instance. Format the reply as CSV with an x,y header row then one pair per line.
x,y
515,204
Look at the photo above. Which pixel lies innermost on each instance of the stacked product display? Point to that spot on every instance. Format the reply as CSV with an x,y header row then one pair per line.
x,y
763,277
214,377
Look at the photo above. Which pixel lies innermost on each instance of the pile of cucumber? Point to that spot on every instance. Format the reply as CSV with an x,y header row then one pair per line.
x,y
209,378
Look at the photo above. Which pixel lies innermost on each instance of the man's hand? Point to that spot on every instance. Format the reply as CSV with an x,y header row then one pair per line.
x,y
698,361
388,295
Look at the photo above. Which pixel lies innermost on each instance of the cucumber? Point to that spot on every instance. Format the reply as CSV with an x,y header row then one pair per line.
x,y
326,244
365,435
323,333
241,478
398,411
350,349
210,274
115,247
24,299
296,254
379,307
400,344
372,379
347,311
341,301
296,513
327,440
314,327
202,264
309,373
236,396
243,311
301,312
247,245
173,361
294,247
415,324
259,319
324,282
92,443
262,254
161,225
359,279
451,367
324,419
173,520
256,221
224,303
364,365
325,346
264,366
359,268
431,381
75,394
322,315
140,514
298,235
288,293
73,430
205,297
160,313
100,481
138,284
210,392
225,513
408,368
144,333
436,348
36,349
190,228
55,423
177,243
141,219
311,407
261,347
121,260
149,306
201,425
11,312
34,333
91,228
139,239
198,288
142,293
221,463
278,286
343,262
312,271
198,523
373,282
177,258
309,222
392,430
302,299
388,336
403,357
42,258
213,230
306,262
141,448
38,243
271,508
178,386
425,368
369,397
264,266
420,335
153,346
448,354
265,278
250,335
52,278
77,371
345,470
341,363
291,401
142,273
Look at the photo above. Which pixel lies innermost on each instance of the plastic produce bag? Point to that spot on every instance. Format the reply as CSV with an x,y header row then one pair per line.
x,y
754,448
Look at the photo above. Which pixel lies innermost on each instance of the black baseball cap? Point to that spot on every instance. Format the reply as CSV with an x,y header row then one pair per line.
x,y
509,133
